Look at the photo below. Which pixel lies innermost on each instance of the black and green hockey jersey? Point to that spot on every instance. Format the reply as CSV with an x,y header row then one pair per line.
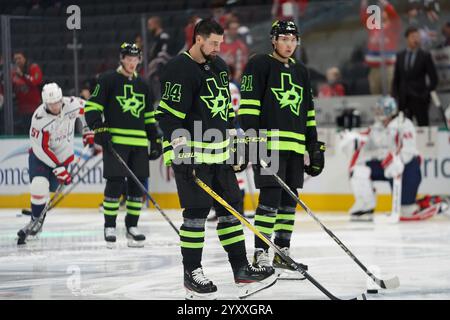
x,y
276,98
196,93
126,108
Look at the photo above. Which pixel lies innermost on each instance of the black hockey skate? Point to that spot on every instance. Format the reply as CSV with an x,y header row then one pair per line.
x,y
198,286
30,232
363,216
135,238
283,270
250,279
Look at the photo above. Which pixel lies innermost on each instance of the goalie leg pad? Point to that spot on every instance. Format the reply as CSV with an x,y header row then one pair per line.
x,y
362,189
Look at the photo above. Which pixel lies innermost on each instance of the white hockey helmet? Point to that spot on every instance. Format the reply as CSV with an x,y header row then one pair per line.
x,y
51,93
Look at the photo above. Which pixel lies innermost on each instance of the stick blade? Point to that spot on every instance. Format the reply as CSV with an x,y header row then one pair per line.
x,y
392,283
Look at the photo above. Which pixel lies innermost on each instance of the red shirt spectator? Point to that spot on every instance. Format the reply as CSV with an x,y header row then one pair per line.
x,y
234,51
333,87
391,31
26,79
283,9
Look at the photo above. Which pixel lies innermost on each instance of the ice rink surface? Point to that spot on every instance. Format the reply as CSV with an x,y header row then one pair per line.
x,y
71,261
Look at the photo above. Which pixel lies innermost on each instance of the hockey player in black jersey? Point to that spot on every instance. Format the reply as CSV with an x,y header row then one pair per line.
x,y
195,101
127,125
276,98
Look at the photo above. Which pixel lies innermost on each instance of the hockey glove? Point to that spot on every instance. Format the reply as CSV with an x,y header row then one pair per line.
x,y
155,149
240,153
316,153
102,136
62,175
392,165
88,137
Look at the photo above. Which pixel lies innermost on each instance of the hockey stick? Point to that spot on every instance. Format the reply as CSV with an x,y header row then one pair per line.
x,y
437,103
25,232
385,284
397,180
286,258
73,173
136,180
69,190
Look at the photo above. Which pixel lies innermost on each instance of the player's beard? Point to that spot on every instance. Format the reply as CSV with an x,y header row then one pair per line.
x,y
207,57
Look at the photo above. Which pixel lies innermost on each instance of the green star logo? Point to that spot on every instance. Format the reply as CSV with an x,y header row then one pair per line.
x,y
131,101
289,95
217,100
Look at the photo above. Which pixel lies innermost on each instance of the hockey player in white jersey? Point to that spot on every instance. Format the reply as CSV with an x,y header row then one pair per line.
x,y
386,150
52,137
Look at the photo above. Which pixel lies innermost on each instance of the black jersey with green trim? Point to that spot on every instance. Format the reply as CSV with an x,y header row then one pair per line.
x,y
196,93
277,97
125,105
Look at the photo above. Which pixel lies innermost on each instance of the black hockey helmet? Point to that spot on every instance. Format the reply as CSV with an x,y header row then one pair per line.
x,y
130,49
284,27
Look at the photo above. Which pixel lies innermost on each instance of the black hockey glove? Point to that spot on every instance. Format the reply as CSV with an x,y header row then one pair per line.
x,y
102,136
155,149
316,153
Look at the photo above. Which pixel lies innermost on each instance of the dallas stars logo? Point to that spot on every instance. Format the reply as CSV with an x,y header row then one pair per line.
x,y
218,99
289,95
131,101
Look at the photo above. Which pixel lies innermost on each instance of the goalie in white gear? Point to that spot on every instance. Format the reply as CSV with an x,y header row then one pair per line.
x,y
386,150
52,134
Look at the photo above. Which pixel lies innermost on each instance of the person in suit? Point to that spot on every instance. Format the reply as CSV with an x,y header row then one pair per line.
x,y
410,86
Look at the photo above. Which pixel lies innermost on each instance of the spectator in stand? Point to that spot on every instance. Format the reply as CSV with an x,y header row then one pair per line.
x,y
189,32
334,86
424,16
160,39
219,13
27,81
446,35
285,9
233,50
410,88
2,98
390,31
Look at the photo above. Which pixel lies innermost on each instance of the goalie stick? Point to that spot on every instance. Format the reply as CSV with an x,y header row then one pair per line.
x,y
385,284
286,258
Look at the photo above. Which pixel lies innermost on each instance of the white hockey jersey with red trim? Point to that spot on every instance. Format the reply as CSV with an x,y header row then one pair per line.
x,y
376,142
52,136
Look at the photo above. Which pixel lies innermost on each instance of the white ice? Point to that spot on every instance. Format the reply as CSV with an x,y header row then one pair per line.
x,y
70,260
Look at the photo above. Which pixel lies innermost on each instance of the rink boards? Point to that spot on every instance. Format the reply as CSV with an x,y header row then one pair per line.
x,y
328,192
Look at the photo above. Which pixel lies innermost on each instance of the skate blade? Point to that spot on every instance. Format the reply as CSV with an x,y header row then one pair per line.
x,y
135,244
248,289
284,274
361,219
111,245
192,295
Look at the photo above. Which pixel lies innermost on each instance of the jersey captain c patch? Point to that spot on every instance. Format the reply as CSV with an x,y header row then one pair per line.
x,y
218,99
131,101
289,94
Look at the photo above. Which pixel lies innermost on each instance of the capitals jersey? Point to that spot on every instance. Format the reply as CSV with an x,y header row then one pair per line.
x,y
125,106
277,97
196,97
375,143
52,136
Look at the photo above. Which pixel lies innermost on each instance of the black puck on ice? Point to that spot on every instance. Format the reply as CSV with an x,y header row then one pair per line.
x,y
372,291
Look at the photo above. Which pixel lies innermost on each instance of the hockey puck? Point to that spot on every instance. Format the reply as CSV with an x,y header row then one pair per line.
x,y
372,291
20,242
26,212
